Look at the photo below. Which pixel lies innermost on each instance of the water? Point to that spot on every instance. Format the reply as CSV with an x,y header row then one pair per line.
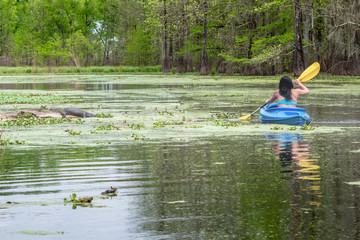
x,y
183,182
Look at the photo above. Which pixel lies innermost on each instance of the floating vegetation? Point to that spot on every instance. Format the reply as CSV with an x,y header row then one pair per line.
x,y
307,127
293,128
30,121
73,199
226,124
194,126
167,123
72,132
221,116
137,137
277,128
210,95
103,115
108,127
29,98
180,110
166,112
136,126
6,142
79,121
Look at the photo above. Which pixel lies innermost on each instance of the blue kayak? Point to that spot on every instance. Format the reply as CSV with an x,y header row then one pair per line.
x,y
284,115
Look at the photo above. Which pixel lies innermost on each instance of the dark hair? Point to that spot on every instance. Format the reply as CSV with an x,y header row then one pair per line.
x,y
285,87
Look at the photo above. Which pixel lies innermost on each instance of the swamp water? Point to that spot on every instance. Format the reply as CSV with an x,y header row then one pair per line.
x,y
181,168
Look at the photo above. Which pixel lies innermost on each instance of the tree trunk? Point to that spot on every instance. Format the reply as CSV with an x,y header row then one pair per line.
x,y
181,67
313,37
203,70
165,57
299,52
307,21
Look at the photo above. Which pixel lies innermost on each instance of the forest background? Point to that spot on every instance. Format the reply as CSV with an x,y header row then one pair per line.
x,y
250,37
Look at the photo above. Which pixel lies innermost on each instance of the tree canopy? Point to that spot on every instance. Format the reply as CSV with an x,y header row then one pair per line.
x,y
223,36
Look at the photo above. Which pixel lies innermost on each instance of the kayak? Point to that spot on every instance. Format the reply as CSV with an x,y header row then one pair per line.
x,y
284,115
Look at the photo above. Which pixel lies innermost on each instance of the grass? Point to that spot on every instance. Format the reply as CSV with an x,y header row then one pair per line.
x,y
79,70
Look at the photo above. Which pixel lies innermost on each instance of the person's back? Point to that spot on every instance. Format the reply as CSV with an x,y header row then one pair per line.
x,y
286,95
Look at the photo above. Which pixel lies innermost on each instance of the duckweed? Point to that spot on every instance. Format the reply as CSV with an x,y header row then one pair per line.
x,y
30,121
29,98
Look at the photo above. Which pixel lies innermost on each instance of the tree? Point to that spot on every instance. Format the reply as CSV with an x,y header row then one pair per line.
x,y
299,65
203,69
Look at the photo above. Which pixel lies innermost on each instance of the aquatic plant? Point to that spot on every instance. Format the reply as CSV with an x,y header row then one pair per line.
x,y
82,200
136,126
29,98
221,115
137,137
293,128
72,132
31,121
166,123
107,127
307,127
103,115
226,124
5,142
209,95
277,128
165,112
194,126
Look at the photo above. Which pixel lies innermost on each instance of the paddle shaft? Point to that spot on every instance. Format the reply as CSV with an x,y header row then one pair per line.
x,y
258,109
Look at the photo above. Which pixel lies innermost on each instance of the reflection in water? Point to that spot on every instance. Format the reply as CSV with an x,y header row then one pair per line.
x,y
293,151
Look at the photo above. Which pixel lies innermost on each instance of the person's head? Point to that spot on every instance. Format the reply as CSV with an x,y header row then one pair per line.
x,y
285,87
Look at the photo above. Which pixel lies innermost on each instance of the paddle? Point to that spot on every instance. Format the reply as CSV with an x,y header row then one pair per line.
x,y
308,74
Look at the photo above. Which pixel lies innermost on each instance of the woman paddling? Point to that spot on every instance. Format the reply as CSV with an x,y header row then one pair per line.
x,y
287,95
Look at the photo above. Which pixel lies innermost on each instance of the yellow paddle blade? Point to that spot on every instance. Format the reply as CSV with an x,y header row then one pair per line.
x,y
246,117
310,72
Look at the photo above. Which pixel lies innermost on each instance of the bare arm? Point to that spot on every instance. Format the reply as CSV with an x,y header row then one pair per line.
x,y
302,90
273,98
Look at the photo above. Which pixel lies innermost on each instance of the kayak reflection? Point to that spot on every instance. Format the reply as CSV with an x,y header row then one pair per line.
x,y
296,161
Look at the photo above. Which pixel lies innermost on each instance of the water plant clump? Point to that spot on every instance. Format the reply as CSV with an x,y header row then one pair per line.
x,y
137,137
226,124
221,115
108,127
82,200
277,128
31,121
307,127
103,115
167,123
29,98
136,126
72,132
6,142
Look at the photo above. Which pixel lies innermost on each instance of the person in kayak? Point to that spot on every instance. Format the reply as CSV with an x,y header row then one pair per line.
x,y
287,95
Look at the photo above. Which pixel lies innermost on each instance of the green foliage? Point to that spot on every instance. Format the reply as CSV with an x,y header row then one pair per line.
x,y
29,98
6,142
103,115
108,127
72,132
33,121
241,36
136,126
167,123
